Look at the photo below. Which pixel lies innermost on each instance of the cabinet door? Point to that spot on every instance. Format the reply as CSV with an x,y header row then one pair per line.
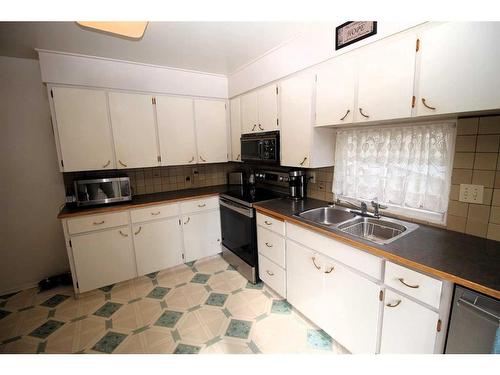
x,y
249,114
176,130
304,281
134,130
459,66
335,88
211,130
386,79
235,129
158,245
103,258
201,235
296,121
267,99
407,327
351,308
83,129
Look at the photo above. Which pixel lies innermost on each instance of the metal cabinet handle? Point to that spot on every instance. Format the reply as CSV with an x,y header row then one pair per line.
x,y
267,244
343,118
187,221
155,213
408,285
254,125
268,222
98,222
138,231
192,159
123,234
260,127
314,262
303,161
202,205
427,106
238,157
105,165
122,163
330,270
362,114
270,273
201,157
396,304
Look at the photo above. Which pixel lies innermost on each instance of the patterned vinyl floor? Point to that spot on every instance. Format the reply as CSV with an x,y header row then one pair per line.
x,y
201,307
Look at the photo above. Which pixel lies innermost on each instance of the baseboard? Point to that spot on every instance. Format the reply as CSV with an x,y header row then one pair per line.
x,y
18,288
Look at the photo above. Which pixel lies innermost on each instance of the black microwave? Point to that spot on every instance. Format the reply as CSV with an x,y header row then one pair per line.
x,y
261,147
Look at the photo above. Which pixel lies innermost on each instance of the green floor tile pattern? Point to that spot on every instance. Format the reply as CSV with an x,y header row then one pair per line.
x,y
108,309
55,300
46,329
109,342
158,292
168,319
239,329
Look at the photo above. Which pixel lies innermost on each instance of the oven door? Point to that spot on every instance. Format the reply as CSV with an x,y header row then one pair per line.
x,y
239,234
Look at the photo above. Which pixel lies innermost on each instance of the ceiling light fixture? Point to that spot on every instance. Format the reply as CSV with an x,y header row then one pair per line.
x,y
133,30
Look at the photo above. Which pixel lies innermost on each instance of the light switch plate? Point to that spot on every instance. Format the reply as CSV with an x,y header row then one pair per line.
x,y
471,193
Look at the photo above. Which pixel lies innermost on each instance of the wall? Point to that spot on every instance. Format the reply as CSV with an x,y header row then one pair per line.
x,y
31,187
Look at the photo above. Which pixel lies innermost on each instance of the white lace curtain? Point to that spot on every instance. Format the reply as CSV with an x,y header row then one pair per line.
x,y
403,166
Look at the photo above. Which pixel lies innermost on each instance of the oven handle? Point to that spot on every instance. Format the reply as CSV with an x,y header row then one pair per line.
x,y
248,212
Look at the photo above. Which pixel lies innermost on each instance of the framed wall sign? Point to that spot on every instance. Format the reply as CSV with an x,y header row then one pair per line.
x,y
353,31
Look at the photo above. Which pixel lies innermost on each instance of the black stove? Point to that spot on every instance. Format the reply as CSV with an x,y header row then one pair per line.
x,y
249,195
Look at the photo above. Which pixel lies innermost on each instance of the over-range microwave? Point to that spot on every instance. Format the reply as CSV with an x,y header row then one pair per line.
x,y
261,147
102,191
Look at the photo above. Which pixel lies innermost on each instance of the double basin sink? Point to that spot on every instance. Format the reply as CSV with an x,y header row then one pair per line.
x,y
378,230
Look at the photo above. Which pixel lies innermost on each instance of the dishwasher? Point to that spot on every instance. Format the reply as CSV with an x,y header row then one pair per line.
x,y
474,324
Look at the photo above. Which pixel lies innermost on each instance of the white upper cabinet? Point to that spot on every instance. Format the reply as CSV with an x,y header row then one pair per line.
x,y
81,116
459,68
176,131
386,79
211,130
259,110
249,112
134,130
235,119
335,90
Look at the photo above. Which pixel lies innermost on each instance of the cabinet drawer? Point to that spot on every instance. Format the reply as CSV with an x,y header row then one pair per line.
x,y
273,275
271,245
270,223
196,205
415,284
95,222
154,212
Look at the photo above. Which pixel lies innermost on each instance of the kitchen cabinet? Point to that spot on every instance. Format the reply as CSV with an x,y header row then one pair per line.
x,y
104,257
336,83
134,130
176,130
259,110
202,234
302,145
459,68
82,129
211,130
158,245
386,79
235,120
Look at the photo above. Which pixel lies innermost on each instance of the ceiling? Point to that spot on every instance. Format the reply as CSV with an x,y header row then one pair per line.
x,y
215,47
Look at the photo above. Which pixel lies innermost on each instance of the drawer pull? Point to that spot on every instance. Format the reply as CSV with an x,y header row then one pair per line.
x,y
330,270
267,244
192,159
268,222
314,262
98,222
202,205
187,221
105,165
123,234
362,114
396,304
270,273
138,231
343,118
427,106
122,163
201,158
408,285
155,213
303,161
260,127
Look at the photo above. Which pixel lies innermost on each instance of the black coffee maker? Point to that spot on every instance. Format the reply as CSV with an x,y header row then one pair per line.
x,y
297,182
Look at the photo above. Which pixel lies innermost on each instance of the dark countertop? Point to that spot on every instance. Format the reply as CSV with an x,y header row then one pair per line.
x,y
467,260
71,210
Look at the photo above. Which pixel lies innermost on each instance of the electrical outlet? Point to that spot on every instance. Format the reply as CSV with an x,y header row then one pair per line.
x,y
471,193
312,177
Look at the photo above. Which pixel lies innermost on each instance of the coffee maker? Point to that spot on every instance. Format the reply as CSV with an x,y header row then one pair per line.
x,y
297,182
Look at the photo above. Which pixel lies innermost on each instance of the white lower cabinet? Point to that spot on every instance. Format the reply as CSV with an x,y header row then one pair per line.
x,y
202,235
103,258
158,245
408,327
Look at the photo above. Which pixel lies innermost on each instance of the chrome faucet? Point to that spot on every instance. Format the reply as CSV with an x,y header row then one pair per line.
x,y
376,207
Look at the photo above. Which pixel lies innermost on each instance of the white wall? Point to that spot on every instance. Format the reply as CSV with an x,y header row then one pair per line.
x,y
71,69
312,47
31,187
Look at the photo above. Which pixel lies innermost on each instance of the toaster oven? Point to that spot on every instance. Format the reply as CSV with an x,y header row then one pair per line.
x,y
102,191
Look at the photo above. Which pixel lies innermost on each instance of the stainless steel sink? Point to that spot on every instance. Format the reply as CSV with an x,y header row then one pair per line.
x,y
327,215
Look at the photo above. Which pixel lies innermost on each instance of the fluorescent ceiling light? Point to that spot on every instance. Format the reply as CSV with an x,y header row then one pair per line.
x,y
129,29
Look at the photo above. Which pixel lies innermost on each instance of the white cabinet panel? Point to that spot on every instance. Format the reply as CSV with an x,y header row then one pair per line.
x,y
271,245
459,66
271,223
335,89
407,326
202,204
211,130
83,128
89,223
249,112
202,235
386,79
176,131
158,245
154,212
103,258
134,130
273,275
235,129
267,99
